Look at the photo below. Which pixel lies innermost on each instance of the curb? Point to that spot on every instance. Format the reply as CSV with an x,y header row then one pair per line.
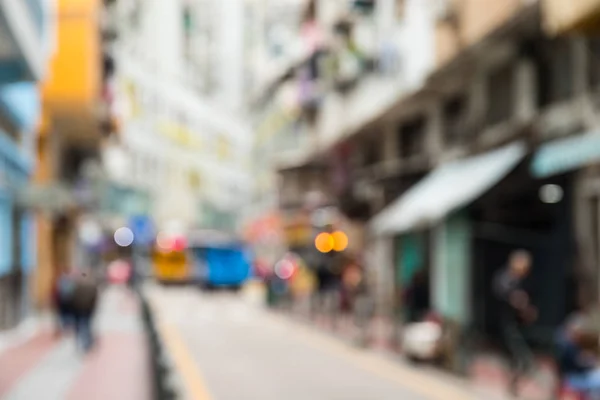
x,y
166,381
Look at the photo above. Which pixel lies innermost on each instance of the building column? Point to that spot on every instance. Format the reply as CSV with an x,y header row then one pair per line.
x,y
478,103
525,93
451,269
435,131
579,54
390,145
379,258
43,276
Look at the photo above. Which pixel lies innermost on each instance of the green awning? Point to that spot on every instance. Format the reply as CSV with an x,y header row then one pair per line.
x,y
564,155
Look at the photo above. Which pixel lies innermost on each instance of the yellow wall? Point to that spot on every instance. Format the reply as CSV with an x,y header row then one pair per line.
x,y
75,68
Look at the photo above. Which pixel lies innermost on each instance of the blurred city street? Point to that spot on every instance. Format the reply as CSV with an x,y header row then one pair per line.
x,y
236,349
299,199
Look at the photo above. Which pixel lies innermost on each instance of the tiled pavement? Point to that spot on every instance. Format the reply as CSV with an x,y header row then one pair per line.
x,y
43,366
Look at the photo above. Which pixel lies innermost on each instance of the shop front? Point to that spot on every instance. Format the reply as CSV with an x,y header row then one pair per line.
x,y
532,214
431,228
17,237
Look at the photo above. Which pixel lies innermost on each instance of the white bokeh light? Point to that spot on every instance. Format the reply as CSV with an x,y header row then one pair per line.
x,y
90,232
551,194
123,237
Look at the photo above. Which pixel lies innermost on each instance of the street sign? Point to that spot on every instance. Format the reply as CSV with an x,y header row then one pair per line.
x,y
143,229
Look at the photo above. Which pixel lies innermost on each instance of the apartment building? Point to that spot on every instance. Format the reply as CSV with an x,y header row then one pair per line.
x,y
179,85
352,63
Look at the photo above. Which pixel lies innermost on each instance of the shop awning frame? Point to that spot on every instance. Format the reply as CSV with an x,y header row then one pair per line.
x,y
446,189
564,155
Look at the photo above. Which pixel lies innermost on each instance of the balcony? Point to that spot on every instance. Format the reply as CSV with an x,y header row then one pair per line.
x,y
573,16
24,30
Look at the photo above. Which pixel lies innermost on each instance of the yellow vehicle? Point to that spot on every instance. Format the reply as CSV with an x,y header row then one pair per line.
x,y
171,266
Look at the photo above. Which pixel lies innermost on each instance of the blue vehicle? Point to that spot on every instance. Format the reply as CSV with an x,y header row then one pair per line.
x,y
220,261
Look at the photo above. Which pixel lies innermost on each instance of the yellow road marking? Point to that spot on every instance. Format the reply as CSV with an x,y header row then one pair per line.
x,y
195,385
413,380
184,363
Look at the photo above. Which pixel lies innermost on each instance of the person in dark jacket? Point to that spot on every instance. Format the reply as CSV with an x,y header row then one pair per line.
x,y
63,296
84,306
516,311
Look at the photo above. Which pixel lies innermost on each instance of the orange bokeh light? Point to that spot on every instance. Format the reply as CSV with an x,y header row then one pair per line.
x,y
340,241
324,242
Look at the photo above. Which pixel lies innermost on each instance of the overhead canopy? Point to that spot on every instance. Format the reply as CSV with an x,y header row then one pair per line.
x,y
564,155
51,198
446,189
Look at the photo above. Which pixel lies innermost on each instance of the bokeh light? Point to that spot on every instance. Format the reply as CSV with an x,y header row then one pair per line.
x,y
324,242
123,237
179,244
551,194
340,241
90,233
284,269
164,242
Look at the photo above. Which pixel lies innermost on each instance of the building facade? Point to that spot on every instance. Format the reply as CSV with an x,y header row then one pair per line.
x,y
494,149
27,31
180,98
354,60
71,129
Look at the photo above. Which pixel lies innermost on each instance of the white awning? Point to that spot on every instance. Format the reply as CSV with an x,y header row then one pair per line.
x,y
446,189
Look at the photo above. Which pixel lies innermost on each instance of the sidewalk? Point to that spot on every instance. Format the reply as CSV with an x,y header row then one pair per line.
x,y
41,366
488,373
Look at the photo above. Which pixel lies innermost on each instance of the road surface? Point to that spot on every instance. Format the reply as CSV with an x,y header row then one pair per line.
x,y
228,347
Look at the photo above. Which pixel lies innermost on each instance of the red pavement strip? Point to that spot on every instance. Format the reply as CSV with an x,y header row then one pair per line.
x,y
116,370
17,361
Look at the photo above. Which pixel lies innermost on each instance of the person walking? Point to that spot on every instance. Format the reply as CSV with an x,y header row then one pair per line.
x,y
85,298
516,311
63,299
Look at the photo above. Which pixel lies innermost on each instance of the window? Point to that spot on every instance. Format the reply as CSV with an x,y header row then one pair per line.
x,y
454,119
411,137
593,48
371,153
554,64
500,95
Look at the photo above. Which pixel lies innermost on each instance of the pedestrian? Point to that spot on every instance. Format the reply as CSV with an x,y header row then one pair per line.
x,y
84,306
576,342
516,311
63,301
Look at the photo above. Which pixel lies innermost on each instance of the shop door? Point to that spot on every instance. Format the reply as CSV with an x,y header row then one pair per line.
x,y
411,257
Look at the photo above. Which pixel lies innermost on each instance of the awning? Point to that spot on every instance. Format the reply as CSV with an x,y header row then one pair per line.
x,y
447,188
563,155
51,198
